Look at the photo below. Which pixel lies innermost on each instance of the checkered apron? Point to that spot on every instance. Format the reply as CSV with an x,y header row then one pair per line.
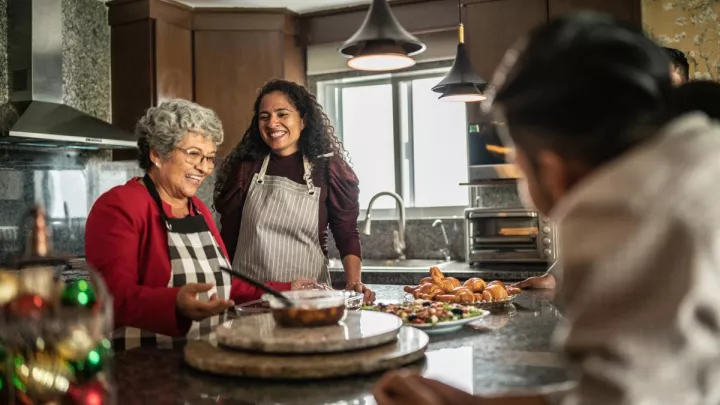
x,y
194,258
278,238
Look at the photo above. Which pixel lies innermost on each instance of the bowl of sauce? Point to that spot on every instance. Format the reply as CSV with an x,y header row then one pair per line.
x,y
311,308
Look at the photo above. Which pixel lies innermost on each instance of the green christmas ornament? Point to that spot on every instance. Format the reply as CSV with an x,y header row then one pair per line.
x,y
95,361
78,294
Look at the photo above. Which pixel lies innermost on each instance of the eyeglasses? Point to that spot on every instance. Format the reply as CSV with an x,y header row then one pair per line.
x,y
195,157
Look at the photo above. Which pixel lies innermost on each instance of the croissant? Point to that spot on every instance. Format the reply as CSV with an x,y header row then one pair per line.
x,y
447,285
436,274
447,298
455,281
475,284
409,289
426,280
465,296
496,282
487,296
513,290
497,291
478,297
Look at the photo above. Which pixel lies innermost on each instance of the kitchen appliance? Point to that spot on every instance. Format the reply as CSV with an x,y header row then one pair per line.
x,y
501,235
487,156
36,114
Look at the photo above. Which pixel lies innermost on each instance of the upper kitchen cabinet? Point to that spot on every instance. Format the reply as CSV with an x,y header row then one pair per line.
x,y
235,52
151,56
491,28
628,10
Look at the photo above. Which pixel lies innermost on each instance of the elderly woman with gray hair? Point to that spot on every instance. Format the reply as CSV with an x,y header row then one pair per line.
x,y
156,244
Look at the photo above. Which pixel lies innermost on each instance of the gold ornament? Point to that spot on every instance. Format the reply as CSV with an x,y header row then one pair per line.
x,y
9,287
77,344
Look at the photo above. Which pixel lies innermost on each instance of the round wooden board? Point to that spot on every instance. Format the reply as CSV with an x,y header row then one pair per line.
x,y
409,347
259,333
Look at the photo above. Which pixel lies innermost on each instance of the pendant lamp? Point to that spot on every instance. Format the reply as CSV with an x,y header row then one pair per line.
x,y
461,83
381,43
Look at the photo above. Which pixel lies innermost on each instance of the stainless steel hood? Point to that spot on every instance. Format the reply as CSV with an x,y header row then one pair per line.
x,y
35,114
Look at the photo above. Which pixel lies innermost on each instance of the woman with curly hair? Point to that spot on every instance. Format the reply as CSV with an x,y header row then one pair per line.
x,y
280,188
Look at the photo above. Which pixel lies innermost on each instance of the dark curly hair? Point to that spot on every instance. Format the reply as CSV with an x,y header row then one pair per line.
x,y
316,139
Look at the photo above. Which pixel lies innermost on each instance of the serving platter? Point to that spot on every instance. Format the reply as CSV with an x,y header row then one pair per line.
x,y
207,356
449,326
260,333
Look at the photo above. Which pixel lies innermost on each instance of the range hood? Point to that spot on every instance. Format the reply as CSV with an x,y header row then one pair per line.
x,y
35,114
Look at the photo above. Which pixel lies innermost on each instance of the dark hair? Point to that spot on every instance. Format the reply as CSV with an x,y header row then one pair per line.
x,y
581,84
316,139
703,96
679,62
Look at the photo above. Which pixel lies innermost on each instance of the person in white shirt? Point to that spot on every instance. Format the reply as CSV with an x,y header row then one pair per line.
x,y
633,190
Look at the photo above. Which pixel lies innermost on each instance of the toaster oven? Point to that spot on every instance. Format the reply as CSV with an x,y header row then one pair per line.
x,y
509,235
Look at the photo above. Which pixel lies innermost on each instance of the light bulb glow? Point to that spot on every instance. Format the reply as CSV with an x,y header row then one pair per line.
x,y
380,62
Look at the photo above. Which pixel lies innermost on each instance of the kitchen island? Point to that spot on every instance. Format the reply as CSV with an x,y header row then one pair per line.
x,y
507,351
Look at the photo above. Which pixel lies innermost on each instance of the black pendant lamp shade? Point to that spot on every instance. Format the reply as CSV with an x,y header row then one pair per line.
x,y
461,83
381,43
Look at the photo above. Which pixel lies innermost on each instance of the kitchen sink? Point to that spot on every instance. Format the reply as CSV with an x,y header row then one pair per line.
x,y
395,264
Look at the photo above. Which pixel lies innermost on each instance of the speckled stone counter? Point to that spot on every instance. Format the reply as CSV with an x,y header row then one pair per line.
x,y
509,350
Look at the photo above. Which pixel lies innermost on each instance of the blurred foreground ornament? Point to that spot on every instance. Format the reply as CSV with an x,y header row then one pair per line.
x,y
77,344
9,287
93,393
94,362
27,306
79,294
42,377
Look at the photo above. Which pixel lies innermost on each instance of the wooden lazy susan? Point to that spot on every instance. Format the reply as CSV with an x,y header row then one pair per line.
x,y
364,342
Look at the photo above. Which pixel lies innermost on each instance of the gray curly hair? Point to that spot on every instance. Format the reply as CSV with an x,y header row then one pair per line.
x,y
164,127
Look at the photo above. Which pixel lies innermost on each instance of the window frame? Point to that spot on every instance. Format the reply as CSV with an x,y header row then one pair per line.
x,y
331,89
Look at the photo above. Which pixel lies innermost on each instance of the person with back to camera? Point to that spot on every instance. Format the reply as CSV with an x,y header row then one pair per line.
x,y
155,243
280,188
633,192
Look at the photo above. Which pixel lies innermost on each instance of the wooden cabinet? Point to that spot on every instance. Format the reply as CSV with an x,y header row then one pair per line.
x,y
151,56
628,10
236,52
492,28
218,58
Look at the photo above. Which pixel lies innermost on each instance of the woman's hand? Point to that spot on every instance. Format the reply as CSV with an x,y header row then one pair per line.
x,y
304,285
546,281
190,306
357,286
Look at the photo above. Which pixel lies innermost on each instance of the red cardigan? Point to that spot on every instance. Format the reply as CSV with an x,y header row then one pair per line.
x,y
126,242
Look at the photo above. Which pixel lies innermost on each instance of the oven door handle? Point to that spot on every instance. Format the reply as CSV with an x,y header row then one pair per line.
x,y
504,239
472,215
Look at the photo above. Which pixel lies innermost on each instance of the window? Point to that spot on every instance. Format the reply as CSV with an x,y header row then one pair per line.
x,y
401,138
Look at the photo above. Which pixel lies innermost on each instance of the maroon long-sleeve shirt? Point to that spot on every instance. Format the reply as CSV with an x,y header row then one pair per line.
x,y
339,205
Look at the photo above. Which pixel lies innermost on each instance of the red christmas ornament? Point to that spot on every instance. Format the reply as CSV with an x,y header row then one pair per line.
x,y
89,394
27,306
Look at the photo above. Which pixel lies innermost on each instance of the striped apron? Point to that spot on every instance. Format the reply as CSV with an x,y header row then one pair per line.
x,y
194,258
279,238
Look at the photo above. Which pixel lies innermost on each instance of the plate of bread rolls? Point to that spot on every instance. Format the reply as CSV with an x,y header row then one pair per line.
x,y
475,291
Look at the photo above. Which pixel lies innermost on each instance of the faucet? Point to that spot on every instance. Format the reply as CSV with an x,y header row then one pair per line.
x,y
399,235
446,250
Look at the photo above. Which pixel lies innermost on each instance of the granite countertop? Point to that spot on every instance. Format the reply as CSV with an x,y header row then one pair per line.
x,y
509,350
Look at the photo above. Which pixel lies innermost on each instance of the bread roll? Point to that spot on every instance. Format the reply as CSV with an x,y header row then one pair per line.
x,y
498,292
486,296
475,284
